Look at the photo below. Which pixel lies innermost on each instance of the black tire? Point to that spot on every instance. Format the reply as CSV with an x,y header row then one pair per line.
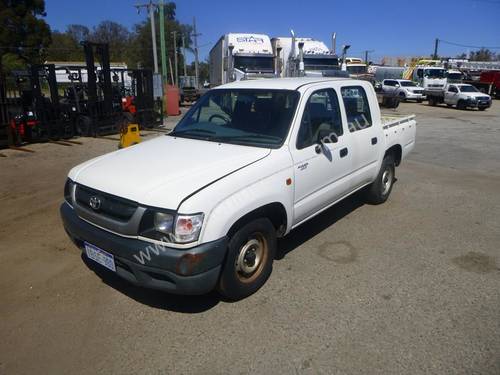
x,y
402,96
419,100
83,125
381,188
481,108
238,279
461,105
432,102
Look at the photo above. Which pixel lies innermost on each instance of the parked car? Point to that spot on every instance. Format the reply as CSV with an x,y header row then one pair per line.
x,y
202,207
462,96
404,89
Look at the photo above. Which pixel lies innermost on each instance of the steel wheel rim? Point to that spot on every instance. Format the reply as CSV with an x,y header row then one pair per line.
x,y
386,181
251,258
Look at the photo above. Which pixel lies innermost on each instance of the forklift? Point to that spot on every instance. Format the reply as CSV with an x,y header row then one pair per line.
x,y
39,117
101,114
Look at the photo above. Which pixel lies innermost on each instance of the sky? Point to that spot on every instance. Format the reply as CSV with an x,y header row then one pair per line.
x,y
388,28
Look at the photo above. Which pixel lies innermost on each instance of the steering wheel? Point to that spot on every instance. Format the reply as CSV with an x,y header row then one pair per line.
x,y
219,117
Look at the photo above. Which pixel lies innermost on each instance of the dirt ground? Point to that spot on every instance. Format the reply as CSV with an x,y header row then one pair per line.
x,y
411,286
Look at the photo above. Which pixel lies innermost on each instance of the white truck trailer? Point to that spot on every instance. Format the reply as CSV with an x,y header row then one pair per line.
x,y
238,56
297,57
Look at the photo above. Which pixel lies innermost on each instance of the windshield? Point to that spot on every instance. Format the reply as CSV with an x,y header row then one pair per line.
x,y
356,69
254,63
455,76
407,84
467,88
321,63
435,73
251,117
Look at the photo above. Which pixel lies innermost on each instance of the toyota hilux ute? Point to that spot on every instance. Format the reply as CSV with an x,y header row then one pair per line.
x,y
202,207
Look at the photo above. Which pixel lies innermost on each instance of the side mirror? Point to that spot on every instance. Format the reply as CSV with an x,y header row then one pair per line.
x,y
397,85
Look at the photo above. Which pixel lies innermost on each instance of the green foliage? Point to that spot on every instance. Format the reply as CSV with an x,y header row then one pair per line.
x,y
24,35
134,47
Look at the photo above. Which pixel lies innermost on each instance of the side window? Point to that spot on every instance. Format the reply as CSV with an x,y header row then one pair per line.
x,y
452,89
320,114
357,108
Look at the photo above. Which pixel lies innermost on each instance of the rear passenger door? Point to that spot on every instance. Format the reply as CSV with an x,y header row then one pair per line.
x,y
321,170
365,137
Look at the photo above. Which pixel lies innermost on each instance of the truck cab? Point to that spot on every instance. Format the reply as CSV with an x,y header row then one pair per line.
x,y
299,57
241,56
430,77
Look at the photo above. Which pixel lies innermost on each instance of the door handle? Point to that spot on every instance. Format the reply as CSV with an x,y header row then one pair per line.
x,y
374,140
343,152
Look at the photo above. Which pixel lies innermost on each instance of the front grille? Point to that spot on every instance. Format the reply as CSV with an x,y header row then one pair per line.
x,y
418,91
105,204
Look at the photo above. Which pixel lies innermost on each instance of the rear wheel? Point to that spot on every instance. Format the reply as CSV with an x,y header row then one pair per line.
x,y
249,260
432,101
381,188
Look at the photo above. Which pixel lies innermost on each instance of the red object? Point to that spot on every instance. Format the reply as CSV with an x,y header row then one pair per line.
x,y
128,104
172,98
491,77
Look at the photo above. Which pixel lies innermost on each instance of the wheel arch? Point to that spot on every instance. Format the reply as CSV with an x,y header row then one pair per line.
x,y
396,151
274,211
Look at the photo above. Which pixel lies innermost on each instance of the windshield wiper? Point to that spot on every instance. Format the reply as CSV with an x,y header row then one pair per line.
x,y
197,133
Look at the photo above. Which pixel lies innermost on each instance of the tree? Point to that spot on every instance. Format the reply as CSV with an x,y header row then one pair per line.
x,y
24,34
78,32
141,48
116,35
483,54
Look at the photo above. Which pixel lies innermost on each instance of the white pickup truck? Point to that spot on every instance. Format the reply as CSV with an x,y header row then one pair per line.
x,y
461,95
202,207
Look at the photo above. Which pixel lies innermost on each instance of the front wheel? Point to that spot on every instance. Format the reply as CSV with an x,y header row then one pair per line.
x,y
461,105
249,260
381,188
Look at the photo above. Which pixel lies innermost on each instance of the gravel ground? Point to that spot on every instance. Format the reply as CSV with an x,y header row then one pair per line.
x,y
408,287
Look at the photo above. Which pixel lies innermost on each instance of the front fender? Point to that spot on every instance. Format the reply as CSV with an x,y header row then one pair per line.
x,y
252,187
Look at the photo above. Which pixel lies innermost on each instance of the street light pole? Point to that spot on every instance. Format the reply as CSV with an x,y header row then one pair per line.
x,y
174,33
184,54
151,7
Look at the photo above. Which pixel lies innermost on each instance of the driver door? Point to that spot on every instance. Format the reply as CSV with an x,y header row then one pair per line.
x,y
321,169
451,95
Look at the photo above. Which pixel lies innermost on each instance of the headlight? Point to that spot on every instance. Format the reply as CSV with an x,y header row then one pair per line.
x,y
68,191
169,227
163,222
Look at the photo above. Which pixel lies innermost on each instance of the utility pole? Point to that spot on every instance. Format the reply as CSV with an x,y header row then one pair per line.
x,y
366,55
184,54
174,33
163,47
151,7
196,62
436,45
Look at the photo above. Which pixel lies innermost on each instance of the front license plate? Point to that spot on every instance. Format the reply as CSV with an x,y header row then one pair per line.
x,y
100,256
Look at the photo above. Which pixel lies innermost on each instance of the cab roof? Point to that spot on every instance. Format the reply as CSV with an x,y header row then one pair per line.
x,y
280,83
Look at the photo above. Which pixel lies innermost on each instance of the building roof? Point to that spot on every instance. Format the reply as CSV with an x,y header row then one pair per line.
x,y
279,83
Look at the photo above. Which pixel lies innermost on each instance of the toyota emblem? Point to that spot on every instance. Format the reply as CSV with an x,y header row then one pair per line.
x,y
95,203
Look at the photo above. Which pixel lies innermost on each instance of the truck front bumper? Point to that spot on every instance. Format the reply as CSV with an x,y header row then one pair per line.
x,y
180,271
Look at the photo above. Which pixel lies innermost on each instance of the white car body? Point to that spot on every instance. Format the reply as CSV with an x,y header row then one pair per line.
x,y
227,182
455,93
404,89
